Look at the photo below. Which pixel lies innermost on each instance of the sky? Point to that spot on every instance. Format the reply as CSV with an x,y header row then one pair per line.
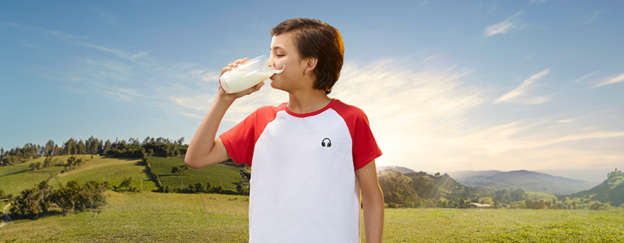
x,y
446,85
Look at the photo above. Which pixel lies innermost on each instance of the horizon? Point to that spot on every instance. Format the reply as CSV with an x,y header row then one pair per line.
x,y
446,85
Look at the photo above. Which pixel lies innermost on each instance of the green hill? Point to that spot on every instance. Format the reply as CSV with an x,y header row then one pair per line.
x,y
17,177
610,191
220,174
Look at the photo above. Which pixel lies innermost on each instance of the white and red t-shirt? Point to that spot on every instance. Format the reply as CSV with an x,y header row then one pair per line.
x,y
303,183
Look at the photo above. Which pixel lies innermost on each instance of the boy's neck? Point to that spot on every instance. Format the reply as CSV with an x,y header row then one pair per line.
x,y
307,101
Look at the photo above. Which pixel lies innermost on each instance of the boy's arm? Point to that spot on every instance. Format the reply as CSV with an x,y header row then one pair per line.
x,y
204,150
372,199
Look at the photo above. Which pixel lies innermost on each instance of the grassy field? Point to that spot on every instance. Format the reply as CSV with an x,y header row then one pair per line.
x,y
227,176
113,170
142,217
151,217
503,225
17,177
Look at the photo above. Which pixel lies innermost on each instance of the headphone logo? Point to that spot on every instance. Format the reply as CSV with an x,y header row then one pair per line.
x,y
328,142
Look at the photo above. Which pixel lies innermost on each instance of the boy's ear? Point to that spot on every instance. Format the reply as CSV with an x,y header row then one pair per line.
x,y
310,64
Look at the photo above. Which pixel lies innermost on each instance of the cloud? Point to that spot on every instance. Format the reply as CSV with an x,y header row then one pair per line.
x,y
594,16
138,58
122,54
585,76
519,95
612,80
503,27
49,32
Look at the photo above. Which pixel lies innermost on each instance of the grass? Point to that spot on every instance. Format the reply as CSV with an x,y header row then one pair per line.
x,y
142,217
158,217
227,176
113,170
17,177
484,225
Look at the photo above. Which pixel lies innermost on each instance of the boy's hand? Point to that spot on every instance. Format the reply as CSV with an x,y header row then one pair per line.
x,y
231,97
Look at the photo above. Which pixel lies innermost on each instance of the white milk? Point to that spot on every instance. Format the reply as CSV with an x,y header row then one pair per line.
x,y
236,81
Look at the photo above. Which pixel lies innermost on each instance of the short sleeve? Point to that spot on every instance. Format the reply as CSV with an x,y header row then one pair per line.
x,y
365,148
239,141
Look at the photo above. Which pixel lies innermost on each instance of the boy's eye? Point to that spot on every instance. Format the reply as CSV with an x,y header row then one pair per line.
x,y
279,55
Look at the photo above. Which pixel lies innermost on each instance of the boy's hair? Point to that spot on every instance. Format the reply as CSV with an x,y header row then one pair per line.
x,y
314,38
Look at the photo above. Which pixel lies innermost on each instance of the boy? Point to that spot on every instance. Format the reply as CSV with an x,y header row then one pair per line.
x,y
310,156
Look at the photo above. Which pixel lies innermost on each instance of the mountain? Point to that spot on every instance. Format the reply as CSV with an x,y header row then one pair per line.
x,y
522,179
403,170
611,190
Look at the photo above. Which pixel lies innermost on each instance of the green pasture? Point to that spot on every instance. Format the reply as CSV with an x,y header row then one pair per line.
x,y
227,176
174,217
142,217
503,225
17,177
112,170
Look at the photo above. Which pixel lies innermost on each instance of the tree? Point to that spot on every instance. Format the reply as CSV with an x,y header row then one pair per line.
x,y
199,187
180,170
49,148
126,183
240,188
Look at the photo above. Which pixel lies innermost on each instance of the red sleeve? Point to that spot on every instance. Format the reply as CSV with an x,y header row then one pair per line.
x,y
365,147
240,140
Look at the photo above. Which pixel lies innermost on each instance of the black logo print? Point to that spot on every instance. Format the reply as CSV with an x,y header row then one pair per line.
x,y
328,144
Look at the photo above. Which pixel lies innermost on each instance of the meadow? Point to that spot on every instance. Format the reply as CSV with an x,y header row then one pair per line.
x,y
155,217
219,174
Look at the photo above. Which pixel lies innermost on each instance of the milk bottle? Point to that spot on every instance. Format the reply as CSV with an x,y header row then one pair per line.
x,y
246,75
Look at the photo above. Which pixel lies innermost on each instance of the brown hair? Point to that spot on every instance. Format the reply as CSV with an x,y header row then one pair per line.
x,y
314,38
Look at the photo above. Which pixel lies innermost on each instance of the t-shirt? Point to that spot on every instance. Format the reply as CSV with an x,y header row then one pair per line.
x,y
303,183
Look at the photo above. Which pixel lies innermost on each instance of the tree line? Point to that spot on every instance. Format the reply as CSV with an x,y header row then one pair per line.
x,y
133,148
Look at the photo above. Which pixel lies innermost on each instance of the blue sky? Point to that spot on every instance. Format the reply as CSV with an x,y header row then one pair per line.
x,y
447,85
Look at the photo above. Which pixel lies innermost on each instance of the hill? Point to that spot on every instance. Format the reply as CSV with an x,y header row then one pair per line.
x,y
225,174
522,179
610,191
17,177
403,170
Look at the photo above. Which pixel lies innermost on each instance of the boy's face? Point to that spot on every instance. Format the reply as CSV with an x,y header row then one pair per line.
x,y
284,52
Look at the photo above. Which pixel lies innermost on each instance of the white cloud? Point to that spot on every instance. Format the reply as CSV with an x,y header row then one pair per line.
x,y
49,32
520,94
138,58
612,80
503,27
585,76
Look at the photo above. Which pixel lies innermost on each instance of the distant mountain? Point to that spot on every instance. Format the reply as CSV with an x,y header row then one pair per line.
x,y
403,170
611,190
522,179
